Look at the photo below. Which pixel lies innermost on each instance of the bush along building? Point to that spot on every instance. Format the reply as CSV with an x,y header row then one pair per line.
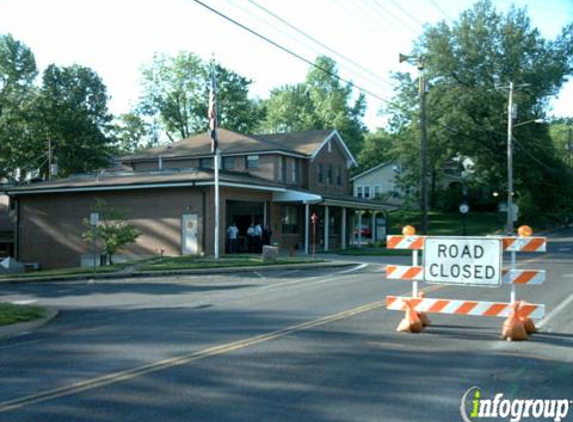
x,y
277,180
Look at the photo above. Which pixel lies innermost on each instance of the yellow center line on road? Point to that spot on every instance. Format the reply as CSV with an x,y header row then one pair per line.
x,y
139,371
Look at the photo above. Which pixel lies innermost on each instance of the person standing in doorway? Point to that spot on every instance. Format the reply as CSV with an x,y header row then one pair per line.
x,y
251,238
267,234
258,238
232,233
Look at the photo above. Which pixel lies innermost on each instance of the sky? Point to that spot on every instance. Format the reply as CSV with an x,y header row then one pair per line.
x,y
116,37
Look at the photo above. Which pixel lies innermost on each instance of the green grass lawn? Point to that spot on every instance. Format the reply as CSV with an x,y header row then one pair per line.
x,y
450,224
12,314
440,224
185,262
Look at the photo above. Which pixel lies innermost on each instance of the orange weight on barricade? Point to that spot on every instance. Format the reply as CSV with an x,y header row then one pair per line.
x,y
422,315
513,327
411,322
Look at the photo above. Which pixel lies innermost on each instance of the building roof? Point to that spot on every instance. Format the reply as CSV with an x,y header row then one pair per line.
x,y
371,170
305,144
107,181
113,180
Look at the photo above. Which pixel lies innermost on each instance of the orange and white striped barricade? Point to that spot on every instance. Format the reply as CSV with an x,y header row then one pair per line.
x,y
474,261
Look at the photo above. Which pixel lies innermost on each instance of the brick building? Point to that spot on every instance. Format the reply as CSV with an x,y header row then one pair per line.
x,y
168,193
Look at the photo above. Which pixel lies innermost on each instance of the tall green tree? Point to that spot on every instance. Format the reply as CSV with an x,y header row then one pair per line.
x,y
175,93
73,114
465,63
17,93
320,102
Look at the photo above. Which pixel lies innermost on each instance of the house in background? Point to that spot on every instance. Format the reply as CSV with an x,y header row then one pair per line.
x,y
382,181
378,181
168,194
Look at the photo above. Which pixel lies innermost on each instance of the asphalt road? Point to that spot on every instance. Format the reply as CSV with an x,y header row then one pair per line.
x,y
282,345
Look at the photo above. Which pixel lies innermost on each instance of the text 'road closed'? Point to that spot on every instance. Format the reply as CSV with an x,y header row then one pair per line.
x,y
464,260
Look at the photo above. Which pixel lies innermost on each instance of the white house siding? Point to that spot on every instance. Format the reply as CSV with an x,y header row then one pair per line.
x,y
382,178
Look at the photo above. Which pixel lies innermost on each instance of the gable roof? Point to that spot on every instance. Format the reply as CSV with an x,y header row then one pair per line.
x,y
372,169
304,144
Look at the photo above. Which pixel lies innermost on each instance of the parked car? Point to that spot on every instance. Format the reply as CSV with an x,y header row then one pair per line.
x,y
365,230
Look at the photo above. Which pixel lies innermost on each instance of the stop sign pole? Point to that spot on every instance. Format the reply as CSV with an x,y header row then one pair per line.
x,y
314,220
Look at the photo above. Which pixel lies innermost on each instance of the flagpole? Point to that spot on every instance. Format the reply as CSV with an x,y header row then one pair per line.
x,y
216,165
212,112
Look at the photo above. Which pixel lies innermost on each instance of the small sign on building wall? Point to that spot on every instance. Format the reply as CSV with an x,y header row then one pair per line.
x,y
94,218
463,261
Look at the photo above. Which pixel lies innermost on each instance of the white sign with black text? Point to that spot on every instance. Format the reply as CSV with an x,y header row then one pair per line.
x,y
468,261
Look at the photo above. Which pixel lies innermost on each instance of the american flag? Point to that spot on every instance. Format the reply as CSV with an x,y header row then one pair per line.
x,y
212,113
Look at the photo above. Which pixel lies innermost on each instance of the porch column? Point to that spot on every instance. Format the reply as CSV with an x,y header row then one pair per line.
x,y
326,227
343,230
265,214
359,229
373,227
306,221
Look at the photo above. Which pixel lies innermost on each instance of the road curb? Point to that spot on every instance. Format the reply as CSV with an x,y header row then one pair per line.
x,y
13,330
168,273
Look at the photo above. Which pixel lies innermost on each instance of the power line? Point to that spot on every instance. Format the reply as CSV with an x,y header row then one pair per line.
x,y
301,32
290,52
534,158
446,15
407,13
415,31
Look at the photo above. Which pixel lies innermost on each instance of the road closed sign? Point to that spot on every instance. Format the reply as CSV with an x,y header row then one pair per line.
x,y
463,261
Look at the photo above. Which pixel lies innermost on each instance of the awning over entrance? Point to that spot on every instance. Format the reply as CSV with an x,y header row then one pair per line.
x,y
297,196
345,201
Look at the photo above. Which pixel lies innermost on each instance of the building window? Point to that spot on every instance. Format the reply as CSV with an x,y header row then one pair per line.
x,y
283,169
329,146
295,170
252,161
339,176
377,192
228,163
206,163
290,219
329,175
359,191
320,173
366,191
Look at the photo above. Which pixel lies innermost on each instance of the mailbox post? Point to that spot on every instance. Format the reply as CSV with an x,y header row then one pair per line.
x,y
314,220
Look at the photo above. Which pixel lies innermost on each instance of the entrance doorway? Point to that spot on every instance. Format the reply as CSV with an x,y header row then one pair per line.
x,y
244,213
189,234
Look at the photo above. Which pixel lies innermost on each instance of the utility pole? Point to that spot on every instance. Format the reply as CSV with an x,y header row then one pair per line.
x,y
509,226
424,197
49,159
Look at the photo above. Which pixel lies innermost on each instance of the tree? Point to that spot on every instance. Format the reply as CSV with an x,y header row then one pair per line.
x,y
72,113
379,147
467,116
17,95
175,93
321,102
132,133
113,230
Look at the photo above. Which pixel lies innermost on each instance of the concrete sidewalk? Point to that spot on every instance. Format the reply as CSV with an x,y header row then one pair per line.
x,y
327,263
